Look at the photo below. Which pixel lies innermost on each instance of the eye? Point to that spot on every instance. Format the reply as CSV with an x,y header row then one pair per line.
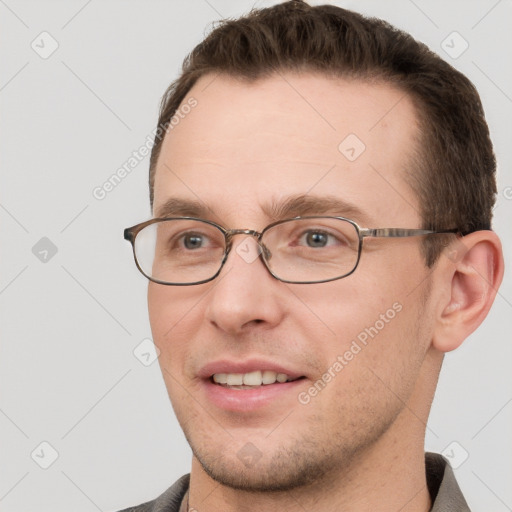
x,y
317,238
193,240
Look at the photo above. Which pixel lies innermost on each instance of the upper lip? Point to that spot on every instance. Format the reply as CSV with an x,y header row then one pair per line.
x,y
246,366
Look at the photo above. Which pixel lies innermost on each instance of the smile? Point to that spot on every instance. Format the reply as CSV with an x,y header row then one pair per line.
x,y
251,379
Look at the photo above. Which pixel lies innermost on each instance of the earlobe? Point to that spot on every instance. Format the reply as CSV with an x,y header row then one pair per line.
x,y
471,270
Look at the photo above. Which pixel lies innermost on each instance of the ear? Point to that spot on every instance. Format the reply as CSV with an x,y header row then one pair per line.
x,y
471,270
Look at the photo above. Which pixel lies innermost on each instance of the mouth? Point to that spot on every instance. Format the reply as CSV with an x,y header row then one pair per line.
x,y
250,385
251,380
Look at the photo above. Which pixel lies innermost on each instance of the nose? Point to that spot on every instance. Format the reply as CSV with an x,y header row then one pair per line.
x,y
245,294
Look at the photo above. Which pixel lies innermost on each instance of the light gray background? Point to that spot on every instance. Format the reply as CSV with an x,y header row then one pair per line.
x,y
69,326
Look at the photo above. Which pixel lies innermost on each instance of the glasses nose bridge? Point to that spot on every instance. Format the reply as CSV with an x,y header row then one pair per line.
x,y
229,233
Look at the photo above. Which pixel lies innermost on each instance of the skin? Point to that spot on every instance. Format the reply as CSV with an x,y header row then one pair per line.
x,y
349,448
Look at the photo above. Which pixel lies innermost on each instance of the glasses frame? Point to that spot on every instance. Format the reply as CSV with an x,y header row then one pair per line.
x,y
130,235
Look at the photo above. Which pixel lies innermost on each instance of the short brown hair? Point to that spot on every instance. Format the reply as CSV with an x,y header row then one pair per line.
x,y
454,174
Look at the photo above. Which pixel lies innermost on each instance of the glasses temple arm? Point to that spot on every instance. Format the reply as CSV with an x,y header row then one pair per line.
x,y
401,232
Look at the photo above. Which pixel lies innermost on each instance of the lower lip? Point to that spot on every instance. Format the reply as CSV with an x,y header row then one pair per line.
x,y
240,400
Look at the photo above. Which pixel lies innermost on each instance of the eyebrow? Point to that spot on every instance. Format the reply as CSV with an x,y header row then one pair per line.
x,y
177,207
293,206
306,204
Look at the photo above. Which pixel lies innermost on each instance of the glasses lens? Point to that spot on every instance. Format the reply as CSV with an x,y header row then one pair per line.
x,y
314,249
179,251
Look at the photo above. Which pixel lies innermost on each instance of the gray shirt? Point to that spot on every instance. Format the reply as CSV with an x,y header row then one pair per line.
x,y
444,491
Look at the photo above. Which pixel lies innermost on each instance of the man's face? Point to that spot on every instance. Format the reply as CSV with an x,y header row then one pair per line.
x,y
245,146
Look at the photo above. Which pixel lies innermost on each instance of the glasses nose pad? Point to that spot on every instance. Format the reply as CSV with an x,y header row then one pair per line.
x,y
265,251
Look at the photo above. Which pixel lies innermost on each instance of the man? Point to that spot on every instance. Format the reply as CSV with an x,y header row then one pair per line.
x,y
321,237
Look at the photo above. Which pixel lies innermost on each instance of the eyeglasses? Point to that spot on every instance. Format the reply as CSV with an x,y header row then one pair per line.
x,y
316,249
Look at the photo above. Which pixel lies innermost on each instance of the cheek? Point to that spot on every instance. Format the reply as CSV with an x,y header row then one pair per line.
x,y
172,316
340,310
175,317
159,311
373,361
371,319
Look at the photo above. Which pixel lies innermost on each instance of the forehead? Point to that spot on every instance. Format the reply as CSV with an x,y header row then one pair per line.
x,y
246,144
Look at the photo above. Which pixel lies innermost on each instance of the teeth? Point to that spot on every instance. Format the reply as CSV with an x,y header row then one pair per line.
x,y
256,378
252,378
269,377
221,378
235,379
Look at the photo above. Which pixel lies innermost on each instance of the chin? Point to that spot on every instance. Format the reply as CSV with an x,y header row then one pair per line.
x,y
262,478
286,469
